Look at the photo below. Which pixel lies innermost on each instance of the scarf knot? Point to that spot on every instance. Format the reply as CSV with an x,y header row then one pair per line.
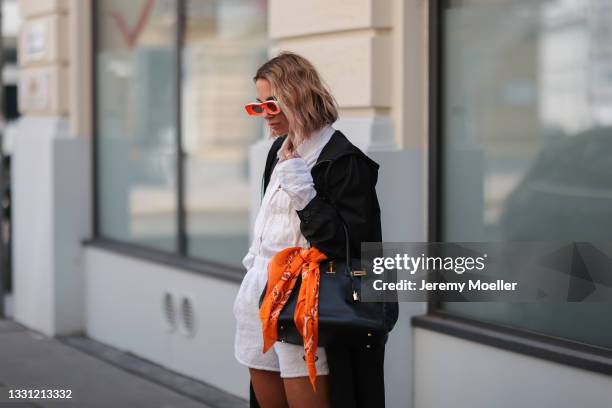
x,y
283,271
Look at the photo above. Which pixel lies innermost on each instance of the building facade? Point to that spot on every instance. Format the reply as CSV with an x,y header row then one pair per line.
x,y
137,176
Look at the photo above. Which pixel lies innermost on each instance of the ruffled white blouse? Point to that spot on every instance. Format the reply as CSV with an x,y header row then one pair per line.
x,y
290,188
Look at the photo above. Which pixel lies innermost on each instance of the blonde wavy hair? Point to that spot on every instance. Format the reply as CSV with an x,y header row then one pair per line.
x,y
303,96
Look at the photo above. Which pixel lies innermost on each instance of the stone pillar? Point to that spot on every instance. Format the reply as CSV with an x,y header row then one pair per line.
x,y
51,166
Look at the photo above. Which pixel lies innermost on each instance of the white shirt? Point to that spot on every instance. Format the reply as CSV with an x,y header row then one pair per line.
x,y
277,227
290,188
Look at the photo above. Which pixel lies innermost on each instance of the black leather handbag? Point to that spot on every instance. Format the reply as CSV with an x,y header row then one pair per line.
x,y
343,318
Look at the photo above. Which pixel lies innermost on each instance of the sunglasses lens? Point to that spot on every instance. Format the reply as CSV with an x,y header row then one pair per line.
x,y
260,109
253,109
272,108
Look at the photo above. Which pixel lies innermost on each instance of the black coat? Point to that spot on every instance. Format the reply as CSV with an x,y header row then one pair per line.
x,y
355,373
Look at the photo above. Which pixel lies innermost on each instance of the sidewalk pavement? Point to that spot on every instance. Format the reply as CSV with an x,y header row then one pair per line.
x,y
98,375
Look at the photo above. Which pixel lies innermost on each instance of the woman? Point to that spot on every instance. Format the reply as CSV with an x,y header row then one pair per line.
x,y
299,112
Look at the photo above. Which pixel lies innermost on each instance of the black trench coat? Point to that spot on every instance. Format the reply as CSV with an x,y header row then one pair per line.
x,y
356,374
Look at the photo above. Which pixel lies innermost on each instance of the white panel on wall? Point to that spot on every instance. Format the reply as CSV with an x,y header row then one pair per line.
x,y
454,372
126,308
50,218
43,90
32,225
43,40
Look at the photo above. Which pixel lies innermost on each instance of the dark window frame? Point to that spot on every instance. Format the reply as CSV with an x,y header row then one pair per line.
x,y
180,258
560,350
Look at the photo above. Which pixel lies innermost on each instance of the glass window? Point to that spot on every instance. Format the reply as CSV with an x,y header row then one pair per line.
x,y
136,126
225,42
527,140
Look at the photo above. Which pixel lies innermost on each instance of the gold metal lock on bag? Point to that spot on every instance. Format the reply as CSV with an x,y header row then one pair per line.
x,y
331,268
359,272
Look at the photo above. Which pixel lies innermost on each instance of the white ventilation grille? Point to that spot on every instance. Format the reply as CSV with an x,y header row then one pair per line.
x,y
169,311
188,320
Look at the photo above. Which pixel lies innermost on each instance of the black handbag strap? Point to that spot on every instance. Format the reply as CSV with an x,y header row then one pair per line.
x,y
348,264
344,224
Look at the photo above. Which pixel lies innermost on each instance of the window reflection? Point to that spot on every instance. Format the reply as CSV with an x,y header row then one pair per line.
x,y
528,89
135,121
226,41
528,139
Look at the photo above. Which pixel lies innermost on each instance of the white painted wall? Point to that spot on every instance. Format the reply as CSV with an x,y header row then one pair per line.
x,y
32,250
124,310
400,191
51,215
452,372
51,169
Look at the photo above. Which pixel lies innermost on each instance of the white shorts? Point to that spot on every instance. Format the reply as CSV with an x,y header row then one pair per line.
x,y
288,359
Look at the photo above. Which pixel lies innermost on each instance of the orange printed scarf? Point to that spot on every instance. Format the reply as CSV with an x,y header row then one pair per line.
x,y
283,270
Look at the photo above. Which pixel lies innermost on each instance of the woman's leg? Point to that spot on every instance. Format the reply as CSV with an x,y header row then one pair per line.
x,y
301,395
269,389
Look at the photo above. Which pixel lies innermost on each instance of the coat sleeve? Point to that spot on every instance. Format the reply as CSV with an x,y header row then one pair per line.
x,y
351,187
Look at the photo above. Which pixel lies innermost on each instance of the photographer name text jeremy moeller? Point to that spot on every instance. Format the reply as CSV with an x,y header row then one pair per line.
x,y
404,284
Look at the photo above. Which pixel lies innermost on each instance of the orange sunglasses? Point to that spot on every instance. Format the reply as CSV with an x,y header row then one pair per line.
x,y
271,107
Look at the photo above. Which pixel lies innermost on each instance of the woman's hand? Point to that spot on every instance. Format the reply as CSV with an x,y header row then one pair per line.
x,y
295,179
288,155
288,151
